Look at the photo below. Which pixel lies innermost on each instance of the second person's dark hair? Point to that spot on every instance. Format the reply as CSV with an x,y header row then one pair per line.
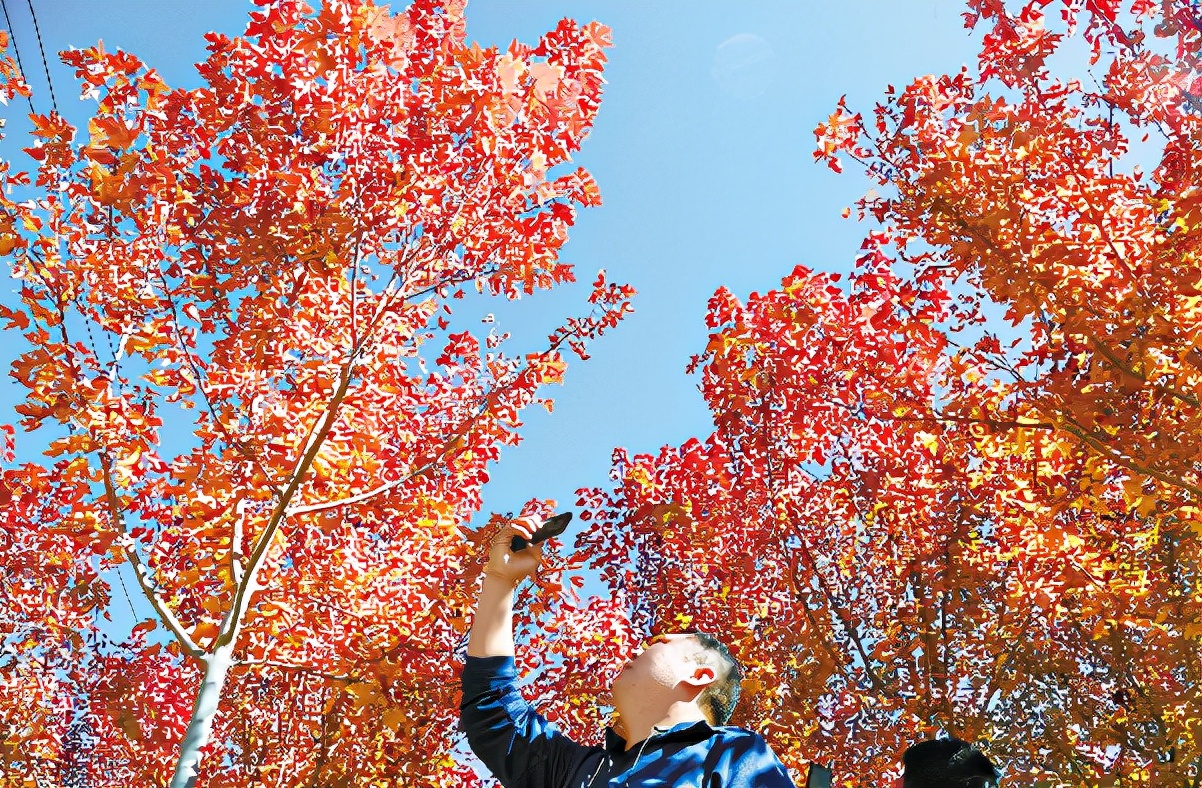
x,y
947,763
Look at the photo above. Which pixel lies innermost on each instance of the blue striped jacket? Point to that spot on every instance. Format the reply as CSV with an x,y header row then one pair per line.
x,y
523,750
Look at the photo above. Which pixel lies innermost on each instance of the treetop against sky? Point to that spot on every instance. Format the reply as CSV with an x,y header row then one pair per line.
x,y
702,152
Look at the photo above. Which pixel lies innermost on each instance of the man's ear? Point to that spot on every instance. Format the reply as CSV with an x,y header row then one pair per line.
x,y
701,677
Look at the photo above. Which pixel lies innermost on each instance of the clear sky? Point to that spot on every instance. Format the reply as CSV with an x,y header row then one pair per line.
x,y
702,151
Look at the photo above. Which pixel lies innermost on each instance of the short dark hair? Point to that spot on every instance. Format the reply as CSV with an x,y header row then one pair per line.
x,y
947,763
718,700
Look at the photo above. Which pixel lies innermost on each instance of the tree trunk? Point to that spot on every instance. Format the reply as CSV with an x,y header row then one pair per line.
x,y
201,725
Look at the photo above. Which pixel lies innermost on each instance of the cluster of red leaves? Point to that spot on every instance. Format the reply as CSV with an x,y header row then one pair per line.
x,y
236,308
961,494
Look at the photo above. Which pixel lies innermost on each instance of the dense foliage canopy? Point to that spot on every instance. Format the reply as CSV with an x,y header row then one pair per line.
x,y
960,493
235,303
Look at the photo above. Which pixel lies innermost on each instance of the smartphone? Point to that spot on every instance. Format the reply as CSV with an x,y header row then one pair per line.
x,y
552,527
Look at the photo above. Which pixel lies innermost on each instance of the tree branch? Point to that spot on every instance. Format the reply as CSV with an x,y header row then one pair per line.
x,y
306,669
1002,660
1062,420
1127,462
199,377
236,554
1110,356
1017,424
766,419
168,618
233,617
878,684
836,658
312,447
448,445
145,582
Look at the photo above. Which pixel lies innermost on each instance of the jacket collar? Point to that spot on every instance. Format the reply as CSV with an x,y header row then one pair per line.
x,y
691,732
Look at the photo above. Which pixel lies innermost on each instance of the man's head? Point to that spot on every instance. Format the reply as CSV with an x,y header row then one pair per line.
x,y
947,763
686,667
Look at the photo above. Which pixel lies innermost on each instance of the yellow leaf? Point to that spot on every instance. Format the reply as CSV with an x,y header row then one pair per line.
x,y
394,717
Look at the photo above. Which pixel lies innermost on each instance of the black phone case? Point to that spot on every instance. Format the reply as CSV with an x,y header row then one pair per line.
x,y
552,527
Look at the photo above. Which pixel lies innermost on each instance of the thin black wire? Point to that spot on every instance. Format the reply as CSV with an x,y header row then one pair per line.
x,y
16,50
37,32
125,591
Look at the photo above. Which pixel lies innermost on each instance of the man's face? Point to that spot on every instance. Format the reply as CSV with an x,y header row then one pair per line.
x,y
664,662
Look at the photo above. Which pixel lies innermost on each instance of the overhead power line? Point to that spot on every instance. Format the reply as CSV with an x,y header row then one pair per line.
x,y
16,49
45,65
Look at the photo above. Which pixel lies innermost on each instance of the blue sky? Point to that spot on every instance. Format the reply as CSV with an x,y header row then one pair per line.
x,y
702,151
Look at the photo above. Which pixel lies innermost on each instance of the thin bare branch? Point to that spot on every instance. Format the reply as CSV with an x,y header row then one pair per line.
x,y
233,618
1125,461
198,377
448,445
236,555
169,619
1110,356
833,605
145,582
306,669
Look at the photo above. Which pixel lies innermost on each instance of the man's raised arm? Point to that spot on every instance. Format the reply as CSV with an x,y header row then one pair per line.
x,y
517,745
492,627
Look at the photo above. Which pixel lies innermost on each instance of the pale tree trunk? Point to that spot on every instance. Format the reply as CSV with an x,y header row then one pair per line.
x,y
220,658
217,666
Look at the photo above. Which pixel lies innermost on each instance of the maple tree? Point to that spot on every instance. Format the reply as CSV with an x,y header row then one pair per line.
x,y
240,361
960,492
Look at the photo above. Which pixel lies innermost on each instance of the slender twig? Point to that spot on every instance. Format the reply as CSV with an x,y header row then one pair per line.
x,y
353,288
1002,659
827,646
243,591
945,599
1116,455
145,582
448,445
236,555
198,377
1017,424
852,632
1100,226
943,207
306,669
323,752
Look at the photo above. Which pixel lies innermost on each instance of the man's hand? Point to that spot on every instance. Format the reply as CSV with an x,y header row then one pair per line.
x,y
510,566
492,624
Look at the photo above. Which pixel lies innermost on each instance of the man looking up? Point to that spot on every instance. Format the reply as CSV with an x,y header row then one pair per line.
x,y
673,700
